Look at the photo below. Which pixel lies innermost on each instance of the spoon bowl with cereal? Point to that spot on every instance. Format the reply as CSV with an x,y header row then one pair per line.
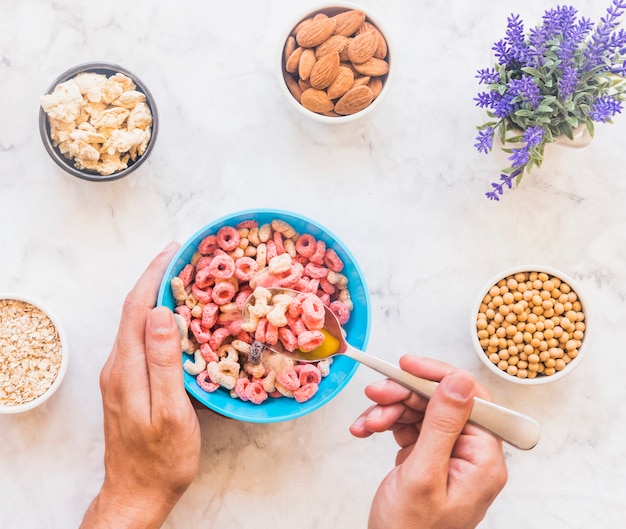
x,y
271,313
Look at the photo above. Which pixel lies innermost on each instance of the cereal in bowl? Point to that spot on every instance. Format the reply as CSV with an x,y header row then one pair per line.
x,y
222,350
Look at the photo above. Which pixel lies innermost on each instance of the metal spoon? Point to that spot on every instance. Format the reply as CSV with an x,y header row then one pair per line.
x,y
512,427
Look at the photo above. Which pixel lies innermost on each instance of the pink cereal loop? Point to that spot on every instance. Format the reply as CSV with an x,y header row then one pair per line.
x,y
320,251
245,268
306,245
187,274
325,298
208,354
203,262
205,383
228,238
341,311
204,278
327,286
293,276
310,340
255,393
242,297
218,337
278,242
308,374
295,307
271,251
240,388
313,313
185,312
333,261
247,224
271,334
223,293
288,379
287,338
201,334
209,315
201,294
207,245
315,271
222,267
304,393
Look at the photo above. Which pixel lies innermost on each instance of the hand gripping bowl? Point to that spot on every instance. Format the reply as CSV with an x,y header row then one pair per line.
x,y
357,329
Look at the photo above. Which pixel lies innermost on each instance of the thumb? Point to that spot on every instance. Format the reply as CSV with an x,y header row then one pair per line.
x,y
445,417
163,355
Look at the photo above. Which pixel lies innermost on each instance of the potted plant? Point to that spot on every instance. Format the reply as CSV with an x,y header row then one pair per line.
x,y
562,76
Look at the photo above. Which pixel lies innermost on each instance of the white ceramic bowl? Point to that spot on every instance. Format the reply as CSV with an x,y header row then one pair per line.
x,y
330,10
540,378
29,405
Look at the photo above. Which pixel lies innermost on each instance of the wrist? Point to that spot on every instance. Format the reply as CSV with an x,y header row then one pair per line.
x,y
122,510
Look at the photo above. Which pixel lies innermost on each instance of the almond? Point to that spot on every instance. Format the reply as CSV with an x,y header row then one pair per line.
x,y
376,86
300,25
381,48
342,83
290,47
304,85
293,87
316,32
362,47
361,79
348,22
373,67
335,43
353,101
294,60
343,54
307,61
316,101
325,71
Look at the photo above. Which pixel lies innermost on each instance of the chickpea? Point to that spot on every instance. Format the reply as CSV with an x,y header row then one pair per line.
x,y
503,365
548,285
494,358
497,300
511,370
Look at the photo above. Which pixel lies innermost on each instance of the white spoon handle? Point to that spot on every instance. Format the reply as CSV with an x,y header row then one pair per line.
x,y
516,429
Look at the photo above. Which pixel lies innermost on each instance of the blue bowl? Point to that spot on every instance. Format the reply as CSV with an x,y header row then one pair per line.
x,y
342,368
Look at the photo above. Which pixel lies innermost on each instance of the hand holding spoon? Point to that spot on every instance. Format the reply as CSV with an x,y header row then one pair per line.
x,y
512,427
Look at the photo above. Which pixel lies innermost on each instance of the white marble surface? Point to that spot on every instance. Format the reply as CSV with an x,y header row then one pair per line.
x,y
404,190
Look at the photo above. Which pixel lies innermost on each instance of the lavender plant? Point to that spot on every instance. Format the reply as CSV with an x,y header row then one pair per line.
x,y
565,73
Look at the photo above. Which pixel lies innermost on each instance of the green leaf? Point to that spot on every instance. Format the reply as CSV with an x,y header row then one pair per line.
x,y
534,72
546,109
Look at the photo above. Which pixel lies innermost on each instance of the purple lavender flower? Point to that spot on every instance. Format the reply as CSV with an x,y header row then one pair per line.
x,y
568,82
520,157
488,76
526,88
533,136
604,40
484,100
605,108
505,179
484,140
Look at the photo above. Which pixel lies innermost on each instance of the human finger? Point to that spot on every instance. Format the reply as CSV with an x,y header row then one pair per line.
x,y
163,359
129,349
445,417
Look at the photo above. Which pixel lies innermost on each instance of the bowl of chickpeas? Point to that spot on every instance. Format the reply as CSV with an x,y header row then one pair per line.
x,y
530,325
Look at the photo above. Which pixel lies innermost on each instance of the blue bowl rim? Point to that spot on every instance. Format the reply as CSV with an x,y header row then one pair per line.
x,y
349,365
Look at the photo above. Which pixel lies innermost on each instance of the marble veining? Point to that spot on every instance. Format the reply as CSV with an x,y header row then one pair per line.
x,y
403,188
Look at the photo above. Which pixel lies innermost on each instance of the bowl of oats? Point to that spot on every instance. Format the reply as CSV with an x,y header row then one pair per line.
x,y
98,121
33,353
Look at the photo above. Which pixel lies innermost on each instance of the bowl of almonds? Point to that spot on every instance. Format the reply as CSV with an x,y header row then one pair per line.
x,y
33,353
98,121
334,63
530,325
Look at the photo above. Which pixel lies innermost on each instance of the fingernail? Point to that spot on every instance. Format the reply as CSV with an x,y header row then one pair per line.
x,y
358,424
458,386
161,320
